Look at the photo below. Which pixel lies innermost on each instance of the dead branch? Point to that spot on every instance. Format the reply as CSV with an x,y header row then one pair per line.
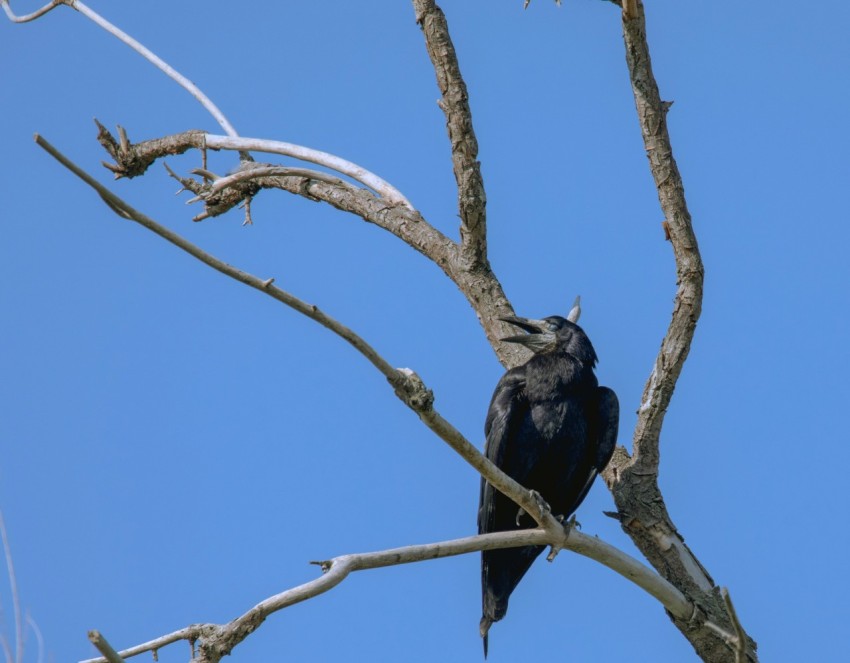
x,y
633,480
217,640
454,102
29,17
109,654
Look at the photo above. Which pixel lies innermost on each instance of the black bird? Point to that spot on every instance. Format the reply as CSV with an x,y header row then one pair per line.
x,y
552,428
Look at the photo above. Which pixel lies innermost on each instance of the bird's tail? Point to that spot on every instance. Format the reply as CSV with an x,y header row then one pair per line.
x,y
484,628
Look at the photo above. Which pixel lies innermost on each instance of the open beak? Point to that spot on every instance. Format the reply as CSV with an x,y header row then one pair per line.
x,y
537,336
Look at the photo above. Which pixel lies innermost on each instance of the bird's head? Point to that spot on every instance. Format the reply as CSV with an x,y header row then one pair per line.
x,y
550,334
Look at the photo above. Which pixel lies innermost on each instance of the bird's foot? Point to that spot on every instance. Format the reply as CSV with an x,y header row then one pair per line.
x,y
568,527
542,505
519,514
568,524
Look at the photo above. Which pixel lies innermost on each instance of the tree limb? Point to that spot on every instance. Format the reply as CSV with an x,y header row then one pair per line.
x,y
216,641
472,200
109,654
633,480
29,17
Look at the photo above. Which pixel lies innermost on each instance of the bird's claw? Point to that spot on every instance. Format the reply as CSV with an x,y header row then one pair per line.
x,y
519,514
569,524
542,505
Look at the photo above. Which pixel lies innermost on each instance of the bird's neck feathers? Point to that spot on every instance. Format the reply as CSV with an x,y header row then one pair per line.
x,y
579,349
556,373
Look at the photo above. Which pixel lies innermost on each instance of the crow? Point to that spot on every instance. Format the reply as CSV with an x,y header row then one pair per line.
x,y
550,427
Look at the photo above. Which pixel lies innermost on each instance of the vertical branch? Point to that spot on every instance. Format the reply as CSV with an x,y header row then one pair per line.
x,y
652,116
634,480
454,103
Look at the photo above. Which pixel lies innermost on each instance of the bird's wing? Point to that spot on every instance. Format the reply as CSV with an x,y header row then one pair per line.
x,y
506,408
606,422
609,423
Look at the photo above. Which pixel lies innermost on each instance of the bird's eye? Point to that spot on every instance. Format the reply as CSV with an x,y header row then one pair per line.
x,y
552,326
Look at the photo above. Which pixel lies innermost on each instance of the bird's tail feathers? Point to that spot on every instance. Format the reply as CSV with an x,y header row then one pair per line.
x,y
484,628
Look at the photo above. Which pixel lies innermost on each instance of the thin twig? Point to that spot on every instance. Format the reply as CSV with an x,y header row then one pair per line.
x,y
7,650
472,201
16,598
29,17
384,188
104,647
189,633
158,62
38,637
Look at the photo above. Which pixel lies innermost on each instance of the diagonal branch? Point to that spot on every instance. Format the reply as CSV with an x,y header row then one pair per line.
x,y
142,50
472,200
103,646
157,61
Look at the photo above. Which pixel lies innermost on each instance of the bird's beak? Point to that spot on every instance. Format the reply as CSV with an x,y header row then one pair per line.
x,y
538,336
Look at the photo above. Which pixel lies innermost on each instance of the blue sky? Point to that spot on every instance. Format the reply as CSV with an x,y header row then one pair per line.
x,y
174,447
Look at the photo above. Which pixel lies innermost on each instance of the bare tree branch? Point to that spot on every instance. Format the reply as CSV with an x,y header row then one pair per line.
x,y
381,186
38,637
216,641
157,61
191,634
29,17
472,200
133,159
109,654
634,480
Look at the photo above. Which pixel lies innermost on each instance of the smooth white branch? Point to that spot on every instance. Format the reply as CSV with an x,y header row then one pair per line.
x,y
349,168
157,61
29,17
